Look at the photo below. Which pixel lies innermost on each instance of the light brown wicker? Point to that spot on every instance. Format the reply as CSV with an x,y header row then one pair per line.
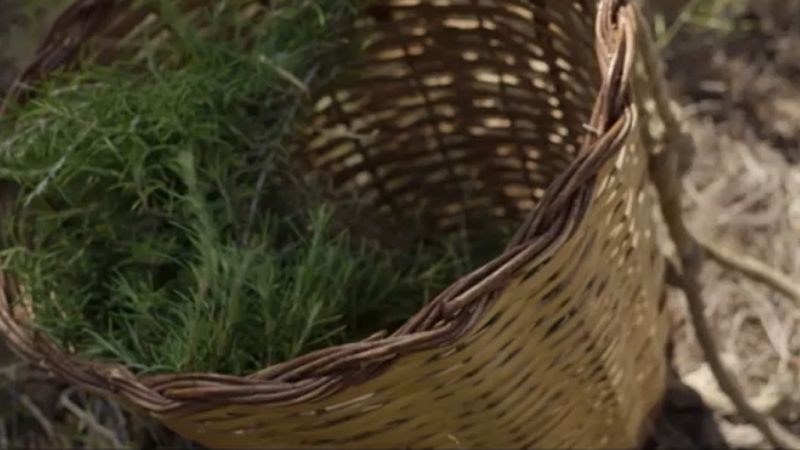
x,y
514,110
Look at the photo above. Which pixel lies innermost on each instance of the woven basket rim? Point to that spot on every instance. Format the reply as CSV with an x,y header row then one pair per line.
x,y
444,319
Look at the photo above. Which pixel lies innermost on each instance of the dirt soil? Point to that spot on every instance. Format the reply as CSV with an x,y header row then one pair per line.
x,y
739,86
738,79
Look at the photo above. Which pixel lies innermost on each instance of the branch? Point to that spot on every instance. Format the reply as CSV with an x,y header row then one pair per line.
x,y
90,421
775,433
665,169
752,268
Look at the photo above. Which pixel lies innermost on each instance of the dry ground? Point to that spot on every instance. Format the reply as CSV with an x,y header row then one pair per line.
x,y
735,66
737,73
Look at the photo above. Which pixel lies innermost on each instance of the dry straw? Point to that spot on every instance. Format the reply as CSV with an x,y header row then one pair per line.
x,y
519,111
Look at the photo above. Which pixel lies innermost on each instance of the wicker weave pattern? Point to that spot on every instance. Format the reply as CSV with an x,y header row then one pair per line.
x,y
503,109
462,99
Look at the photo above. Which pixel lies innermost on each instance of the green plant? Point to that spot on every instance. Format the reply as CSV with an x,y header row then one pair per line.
x,y
705,14
159,221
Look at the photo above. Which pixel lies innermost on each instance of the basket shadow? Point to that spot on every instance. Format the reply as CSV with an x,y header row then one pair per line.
x,y
684,422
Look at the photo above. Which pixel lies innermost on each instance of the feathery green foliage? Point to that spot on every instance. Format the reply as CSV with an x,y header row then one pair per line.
x,y
159,222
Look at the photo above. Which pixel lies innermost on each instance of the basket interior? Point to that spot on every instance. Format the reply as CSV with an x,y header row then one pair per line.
x,y
458,112
463,110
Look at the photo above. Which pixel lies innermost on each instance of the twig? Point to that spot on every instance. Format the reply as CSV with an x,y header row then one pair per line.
x,y
777,435
664,174
4,441
737,323
38,415
264,148
665,169
120,419
683,18
776,332
753,268
89,420
286,75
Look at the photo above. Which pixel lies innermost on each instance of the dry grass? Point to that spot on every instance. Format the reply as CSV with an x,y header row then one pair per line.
x,y
739,85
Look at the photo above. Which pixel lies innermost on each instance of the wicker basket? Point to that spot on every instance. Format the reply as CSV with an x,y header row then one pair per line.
x,y
527,107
